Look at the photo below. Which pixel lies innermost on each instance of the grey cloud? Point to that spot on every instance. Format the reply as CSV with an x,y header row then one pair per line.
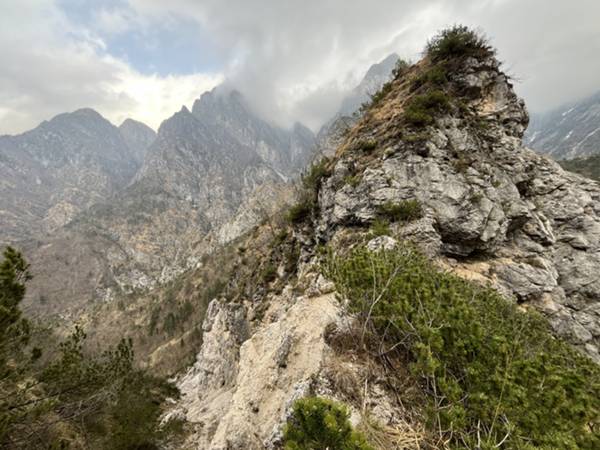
x,y
289,54
292,60
43,73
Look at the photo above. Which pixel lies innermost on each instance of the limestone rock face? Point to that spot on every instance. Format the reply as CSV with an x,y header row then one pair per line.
x,y
492,211
485,198
241,388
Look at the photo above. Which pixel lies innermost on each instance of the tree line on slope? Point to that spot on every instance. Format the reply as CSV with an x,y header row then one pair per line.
x,y
64,397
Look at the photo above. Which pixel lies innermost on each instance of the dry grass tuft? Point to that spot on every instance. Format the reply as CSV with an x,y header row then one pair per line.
x,y
402,436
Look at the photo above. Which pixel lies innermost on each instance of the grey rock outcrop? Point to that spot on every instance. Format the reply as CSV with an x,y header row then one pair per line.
x,y
239,393
491,206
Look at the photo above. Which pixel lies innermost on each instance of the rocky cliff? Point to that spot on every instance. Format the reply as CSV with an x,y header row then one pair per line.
x,y
287,151
439,162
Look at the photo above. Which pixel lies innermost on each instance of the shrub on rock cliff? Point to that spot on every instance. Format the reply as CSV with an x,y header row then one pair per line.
x,y
321,424
405,211
458,41
422,109
311,182
495,375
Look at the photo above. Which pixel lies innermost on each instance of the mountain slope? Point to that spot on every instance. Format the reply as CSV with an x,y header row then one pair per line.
x,y
439,164
588,167
201,185
287,151
572,131
58,169
377,75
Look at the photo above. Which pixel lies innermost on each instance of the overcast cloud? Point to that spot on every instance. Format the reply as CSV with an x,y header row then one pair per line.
x,y
292,60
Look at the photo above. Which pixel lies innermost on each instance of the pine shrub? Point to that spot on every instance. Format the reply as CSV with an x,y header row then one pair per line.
x,y
422,109
321,424
311,183
456,42
495,375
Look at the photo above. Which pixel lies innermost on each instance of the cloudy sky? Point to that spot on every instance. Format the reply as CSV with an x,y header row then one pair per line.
x,y
294,60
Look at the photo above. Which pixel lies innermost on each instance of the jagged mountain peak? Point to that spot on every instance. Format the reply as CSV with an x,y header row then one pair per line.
x,y
134,124
375,77
59,169
138,136
383,68
331,133
226,109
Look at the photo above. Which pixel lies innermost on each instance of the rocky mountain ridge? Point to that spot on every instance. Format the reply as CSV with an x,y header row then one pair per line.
x,y
60,168
450,175
331,133
208,176
287,151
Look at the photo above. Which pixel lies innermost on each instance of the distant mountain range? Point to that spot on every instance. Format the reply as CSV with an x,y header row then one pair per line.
x,y
571,131
104,211
208,176
51,173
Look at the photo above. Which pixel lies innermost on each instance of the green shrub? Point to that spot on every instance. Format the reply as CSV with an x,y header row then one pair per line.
x,y
380,227
269,272
352,180
458,41
321,424
491,371
400,68
421,109
435,76
311,182
367,145
405,211
300,211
